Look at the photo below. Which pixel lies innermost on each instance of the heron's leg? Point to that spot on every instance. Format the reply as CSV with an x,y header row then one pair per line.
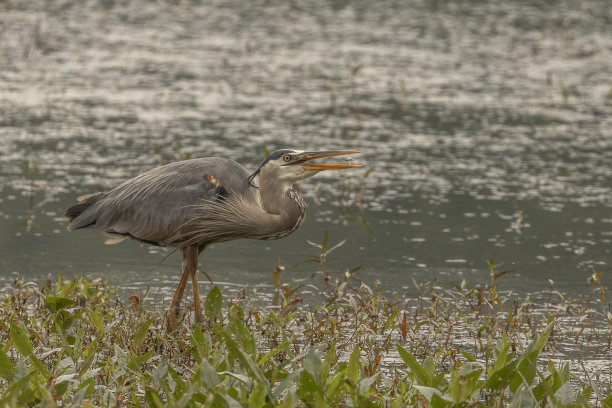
x,y
175,306
193,252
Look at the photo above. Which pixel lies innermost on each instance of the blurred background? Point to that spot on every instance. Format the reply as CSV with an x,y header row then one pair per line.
x,y
485,130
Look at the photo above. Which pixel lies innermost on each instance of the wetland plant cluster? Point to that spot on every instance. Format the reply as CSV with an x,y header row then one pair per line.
x,y
75,343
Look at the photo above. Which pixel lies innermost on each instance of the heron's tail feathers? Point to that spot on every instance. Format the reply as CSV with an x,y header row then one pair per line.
x,y
76,210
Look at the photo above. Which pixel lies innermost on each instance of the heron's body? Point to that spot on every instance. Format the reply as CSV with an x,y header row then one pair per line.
x,y
167,206
193,203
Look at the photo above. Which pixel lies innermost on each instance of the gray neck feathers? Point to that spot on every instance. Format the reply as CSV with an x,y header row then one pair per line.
x,y
285,208
278,214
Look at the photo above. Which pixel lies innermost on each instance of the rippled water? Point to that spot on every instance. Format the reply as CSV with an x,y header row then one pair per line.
x,y
485,131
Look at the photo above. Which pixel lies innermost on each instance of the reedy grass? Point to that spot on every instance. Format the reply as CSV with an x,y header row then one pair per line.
x,y
75,343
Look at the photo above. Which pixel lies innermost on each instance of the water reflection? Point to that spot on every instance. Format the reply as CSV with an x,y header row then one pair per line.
x,y
486,129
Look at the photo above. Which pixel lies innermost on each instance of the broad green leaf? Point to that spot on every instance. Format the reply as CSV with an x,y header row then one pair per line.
x,y
140,334
85,388
96,321
288,401
18,387
337,389
366,384
21,340
330,359
161,373
56,303
226,401
88,355
352,370
153,398
208,375
502,377
198,340
246,361
312,364
429,366
214,304
141,359
240,377
286,383
522,398
526,371
427,392
439,402
565,394
257,398
419,372
6,366
501,352
308,390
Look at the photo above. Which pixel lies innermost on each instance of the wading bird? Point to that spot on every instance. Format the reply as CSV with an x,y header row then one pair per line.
x,y
193,203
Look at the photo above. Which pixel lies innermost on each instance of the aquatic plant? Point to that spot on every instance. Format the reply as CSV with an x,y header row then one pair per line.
x,y
75,343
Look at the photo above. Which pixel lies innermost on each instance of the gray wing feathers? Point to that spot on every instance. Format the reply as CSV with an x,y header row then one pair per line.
x,y
155,205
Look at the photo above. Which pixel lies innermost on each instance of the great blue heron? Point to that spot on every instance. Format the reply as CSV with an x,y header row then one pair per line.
x,y
193,203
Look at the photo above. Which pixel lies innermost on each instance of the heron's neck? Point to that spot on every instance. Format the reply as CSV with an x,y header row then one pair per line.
x,y
285,207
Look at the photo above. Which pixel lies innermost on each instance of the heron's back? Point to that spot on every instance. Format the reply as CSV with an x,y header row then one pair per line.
x,y
156,206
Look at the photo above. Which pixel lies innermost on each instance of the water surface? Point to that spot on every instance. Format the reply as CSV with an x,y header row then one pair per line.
x,y
485,132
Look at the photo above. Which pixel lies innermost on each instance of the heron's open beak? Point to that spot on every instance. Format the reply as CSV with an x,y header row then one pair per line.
x,y
307,156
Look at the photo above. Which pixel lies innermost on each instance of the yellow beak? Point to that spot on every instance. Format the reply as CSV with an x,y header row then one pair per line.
x,y
307,156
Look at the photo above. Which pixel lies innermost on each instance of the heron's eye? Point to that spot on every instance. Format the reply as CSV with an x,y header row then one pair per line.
x,y
287,158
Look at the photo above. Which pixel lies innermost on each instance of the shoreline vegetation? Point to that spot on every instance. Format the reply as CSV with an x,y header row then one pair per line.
x,y
76,343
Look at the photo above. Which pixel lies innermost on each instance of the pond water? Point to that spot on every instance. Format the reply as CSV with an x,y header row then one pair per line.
x,y
485,131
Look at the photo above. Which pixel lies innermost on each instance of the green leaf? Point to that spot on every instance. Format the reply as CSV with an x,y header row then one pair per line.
x,y
140,334
330,359
526,371
312,364
501,350
56,303
391,319
257,398
22,343
20,340
245,360
419,372
502,377
565,394
427,392
153,398
284,345
208,375
18,388
522,398
366,384
439,402
198,340
96,321
337,388
308,390
6,366
214,304
352,370
240,377
286,383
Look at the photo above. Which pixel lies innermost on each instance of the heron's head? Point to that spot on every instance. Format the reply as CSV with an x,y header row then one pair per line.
x,y
285,167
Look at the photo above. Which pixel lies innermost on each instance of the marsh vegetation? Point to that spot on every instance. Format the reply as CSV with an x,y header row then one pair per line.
x,y
75,343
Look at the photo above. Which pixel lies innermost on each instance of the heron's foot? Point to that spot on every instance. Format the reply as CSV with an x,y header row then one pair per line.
x,y
174,319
